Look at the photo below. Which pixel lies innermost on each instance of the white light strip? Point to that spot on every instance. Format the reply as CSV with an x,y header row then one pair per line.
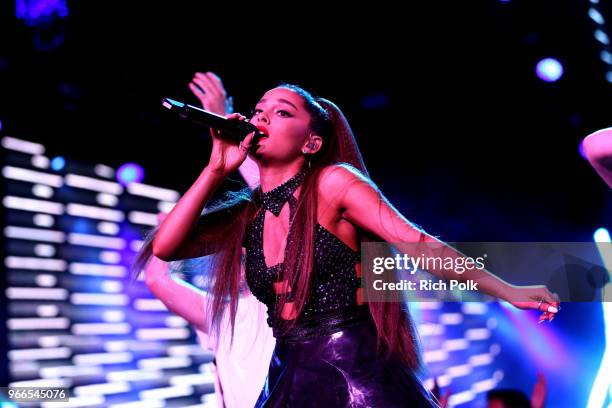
x,y
19,368
117,271
42,162
90,183
49,341
459,370
46,280
80,329
34,234
75,402
162,334
187,350
42,191
455,344
104,171
23,146
207,401
481,359
90,211
165,206
134,345
43,220
102,389
461,398
44,250
115,346
176,321
108,228
70,371
189,379
474,308
29,204
141,404
149,305
110,257
47,383
430,329
110,286
134,375
163,363
135,245
451,318
434,356
596,16
483,386
98,299
477,334
38,323
102,358
97,241
47,310
166,393
143,218
443,380
37,293
427,305
32,176
157,193
16,262
107,199
39,354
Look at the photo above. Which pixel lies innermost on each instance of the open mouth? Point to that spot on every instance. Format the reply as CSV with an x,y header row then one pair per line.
x,y
264,131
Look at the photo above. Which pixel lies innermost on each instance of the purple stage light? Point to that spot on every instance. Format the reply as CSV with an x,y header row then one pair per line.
x,y
130,173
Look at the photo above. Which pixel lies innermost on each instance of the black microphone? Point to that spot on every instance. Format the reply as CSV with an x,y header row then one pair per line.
x,y
231,129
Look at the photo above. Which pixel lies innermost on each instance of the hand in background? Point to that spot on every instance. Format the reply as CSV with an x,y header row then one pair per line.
x,y
209,89
538,396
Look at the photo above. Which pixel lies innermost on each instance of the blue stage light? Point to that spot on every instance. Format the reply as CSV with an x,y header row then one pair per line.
x,y
549,70
58,163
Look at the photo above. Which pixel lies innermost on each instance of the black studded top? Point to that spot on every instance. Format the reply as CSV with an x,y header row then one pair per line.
x,y
334,284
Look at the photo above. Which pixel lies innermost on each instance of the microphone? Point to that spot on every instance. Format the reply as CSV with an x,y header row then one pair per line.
x,y
230,129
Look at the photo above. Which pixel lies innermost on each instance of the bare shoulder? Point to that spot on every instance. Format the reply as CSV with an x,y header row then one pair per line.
x,y
339,176
337,181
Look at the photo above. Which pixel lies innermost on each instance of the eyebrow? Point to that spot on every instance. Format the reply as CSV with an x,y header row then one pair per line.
x,y
280,100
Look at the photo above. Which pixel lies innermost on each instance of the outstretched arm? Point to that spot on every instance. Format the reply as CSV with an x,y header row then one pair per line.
x,y
179,296
362,204
598,149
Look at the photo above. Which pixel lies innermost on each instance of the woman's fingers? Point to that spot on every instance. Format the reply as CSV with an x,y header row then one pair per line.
x,y
247,142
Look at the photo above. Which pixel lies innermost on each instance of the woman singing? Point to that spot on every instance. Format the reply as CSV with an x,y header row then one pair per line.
x,y
302,228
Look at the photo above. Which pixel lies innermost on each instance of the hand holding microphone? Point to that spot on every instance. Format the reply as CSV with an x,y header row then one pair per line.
x,y
233,136
231,129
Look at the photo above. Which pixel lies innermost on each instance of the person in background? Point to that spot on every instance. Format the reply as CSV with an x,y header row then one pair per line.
x,y
241,364
511,398
598,150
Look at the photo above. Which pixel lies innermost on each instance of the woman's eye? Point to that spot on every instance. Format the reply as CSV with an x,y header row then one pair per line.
x,y
284,113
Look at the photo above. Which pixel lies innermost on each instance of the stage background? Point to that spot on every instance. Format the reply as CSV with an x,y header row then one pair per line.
x,y
455,126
